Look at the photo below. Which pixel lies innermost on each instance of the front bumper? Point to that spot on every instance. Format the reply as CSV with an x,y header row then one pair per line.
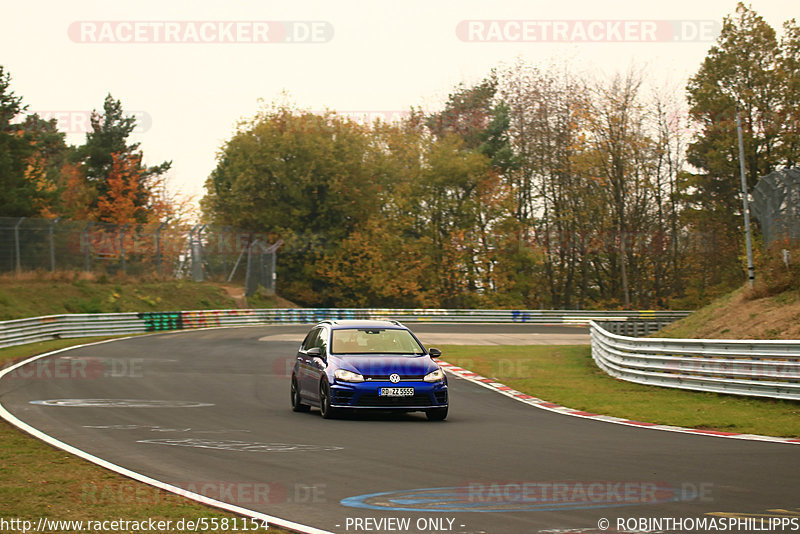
x,y
365,395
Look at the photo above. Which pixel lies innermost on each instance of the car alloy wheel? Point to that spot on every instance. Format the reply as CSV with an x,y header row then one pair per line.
x,y
325,400
297,404
437,414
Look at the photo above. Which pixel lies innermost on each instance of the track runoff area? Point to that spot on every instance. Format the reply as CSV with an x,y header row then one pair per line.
x,y
206,413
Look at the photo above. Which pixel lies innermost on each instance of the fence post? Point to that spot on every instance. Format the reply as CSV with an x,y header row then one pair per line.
x,y
273,274
197,252
191,246
224,251
16,244
248,274
122,248
53,245
87,247
158,245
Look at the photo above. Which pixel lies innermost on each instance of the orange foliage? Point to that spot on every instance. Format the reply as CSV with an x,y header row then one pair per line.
x,y
363,271
78,195
119,204
36,173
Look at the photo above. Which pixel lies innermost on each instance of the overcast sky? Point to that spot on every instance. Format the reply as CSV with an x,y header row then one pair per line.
x,y
189,70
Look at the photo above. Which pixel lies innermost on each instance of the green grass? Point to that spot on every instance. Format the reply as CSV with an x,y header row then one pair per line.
x,y
37,480
567,375
260,301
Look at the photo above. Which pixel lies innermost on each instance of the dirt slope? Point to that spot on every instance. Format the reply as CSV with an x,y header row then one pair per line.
x,y
739,316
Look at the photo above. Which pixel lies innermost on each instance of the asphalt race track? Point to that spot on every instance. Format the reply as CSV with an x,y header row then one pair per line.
x,y
209,411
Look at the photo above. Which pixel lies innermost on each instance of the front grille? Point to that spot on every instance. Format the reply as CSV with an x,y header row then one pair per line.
x,y
385,378
389,402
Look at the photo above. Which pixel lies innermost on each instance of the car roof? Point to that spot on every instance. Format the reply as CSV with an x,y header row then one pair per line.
x,y
362,323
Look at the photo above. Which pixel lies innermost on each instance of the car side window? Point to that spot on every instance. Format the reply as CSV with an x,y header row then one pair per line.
x,y
322,340
311,339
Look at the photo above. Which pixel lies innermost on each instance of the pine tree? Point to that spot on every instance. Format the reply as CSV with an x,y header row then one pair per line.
x,y
107,142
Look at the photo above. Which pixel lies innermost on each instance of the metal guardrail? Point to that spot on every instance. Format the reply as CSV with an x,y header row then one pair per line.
x,y
756,368
36,329
740,367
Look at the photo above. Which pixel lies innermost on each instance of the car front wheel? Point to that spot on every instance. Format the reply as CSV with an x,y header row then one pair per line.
x,y
325,408
437,414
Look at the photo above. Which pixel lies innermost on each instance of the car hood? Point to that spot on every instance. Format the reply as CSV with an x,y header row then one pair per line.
x,y
384,365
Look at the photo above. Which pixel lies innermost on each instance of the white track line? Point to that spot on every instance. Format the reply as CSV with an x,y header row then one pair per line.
x,y
5,414
552,407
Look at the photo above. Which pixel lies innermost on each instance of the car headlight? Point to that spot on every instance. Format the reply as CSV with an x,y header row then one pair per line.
x,y
347,376
436,376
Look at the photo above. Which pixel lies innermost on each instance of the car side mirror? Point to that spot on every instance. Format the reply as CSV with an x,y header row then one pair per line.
x,y
434,353
315,352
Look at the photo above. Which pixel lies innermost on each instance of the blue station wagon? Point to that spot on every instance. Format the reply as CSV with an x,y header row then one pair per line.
x,y
367,365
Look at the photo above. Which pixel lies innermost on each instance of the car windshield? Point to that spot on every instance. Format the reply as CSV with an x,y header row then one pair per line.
x,y
374,340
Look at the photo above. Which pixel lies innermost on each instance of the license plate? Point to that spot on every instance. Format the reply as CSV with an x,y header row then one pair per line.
x,y
396,392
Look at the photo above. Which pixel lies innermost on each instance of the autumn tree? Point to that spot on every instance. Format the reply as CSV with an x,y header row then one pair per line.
x,y
301,177
107,142
120,203
478,116
750,72
363,271
77,195
670,136
788,71
15,190
31,153
553,205
10,104
596,186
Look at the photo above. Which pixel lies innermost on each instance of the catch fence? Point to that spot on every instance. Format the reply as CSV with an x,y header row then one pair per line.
x,y
776,205
199,252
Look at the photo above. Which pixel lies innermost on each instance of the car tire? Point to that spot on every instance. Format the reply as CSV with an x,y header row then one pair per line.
x,y
297,404
325,408
437,414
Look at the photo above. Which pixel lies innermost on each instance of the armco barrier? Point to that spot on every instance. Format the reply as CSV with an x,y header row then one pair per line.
x,y
757,368
35,329
740,367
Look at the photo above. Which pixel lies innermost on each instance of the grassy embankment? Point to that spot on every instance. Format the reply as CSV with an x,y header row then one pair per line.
x,y
33,295
37,480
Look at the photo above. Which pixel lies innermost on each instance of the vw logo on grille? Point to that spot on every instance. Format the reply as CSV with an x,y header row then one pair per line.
x,y
394,378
